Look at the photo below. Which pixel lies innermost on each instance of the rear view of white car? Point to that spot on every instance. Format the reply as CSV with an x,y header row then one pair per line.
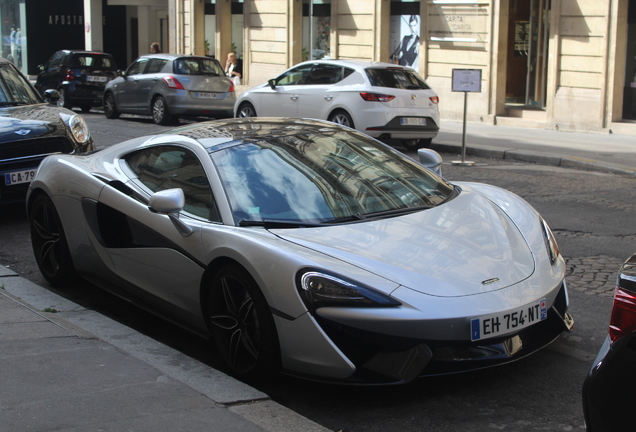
x,y
383,100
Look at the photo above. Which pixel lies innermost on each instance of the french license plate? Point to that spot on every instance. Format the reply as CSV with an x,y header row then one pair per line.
x,y
412,121
17,177
93,78
501,323
206,95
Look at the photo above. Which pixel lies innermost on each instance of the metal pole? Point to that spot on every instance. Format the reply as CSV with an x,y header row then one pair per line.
x,y
464,162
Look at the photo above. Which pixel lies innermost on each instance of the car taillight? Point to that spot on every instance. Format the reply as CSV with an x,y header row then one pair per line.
x,y
376,97
173,83
623,319
434,99
231,87
69,75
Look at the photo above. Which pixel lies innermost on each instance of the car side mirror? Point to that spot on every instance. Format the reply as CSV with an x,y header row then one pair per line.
x,y
431,160
51,96
272,83
170,202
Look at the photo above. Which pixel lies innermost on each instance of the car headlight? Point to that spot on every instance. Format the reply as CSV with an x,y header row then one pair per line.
x,y
79,129
550,242
318,289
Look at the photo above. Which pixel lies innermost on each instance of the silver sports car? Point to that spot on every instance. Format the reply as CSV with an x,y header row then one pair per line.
x,y
305,247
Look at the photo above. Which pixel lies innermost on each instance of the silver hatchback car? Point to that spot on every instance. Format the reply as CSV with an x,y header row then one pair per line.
x,y
168,86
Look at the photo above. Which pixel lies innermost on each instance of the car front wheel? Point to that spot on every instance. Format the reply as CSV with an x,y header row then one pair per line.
x,y
160,113
49,242
342,118
241,324
110,108
246,110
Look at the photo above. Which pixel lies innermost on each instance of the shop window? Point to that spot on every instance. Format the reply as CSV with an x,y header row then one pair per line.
x,y
404,39
316,29
629,99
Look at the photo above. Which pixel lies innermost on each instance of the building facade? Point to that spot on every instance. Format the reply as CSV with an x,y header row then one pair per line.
x,y
555,64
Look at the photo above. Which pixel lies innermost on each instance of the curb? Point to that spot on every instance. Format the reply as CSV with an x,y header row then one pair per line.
x,y
532,156
222,390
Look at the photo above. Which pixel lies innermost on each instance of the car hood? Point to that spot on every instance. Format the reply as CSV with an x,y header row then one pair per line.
x,y
464,247
27,122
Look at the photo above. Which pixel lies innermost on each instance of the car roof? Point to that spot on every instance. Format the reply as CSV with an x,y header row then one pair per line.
x,y
86,52
357,64
211,134
168,56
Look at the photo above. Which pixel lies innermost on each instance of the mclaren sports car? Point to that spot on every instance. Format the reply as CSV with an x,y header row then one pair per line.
x,y
304,247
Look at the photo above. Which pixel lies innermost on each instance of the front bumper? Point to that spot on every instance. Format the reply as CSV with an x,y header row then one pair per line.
x,y
387,359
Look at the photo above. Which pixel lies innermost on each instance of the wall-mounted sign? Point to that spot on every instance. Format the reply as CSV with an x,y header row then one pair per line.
x,y
467,80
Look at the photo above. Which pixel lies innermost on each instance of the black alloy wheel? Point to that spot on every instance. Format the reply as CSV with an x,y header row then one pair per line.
x,y
246,110
342,118
49,242
160,113
110,108
242,326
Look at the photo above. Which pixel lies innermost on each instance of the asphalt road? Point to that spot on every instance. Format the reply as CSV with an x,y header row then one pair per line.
x,y
592,217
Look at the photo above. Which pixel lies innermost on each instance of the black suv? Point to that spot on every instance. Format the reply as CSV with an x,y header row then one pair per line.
x,y
79,76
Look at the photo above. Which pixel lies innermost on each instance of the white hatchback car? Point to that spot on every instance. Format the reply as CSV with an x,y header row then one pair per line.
x,y
383,100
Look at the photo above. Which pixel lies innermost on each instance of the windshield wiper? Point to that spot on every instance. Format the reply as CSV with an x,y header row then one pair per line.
x,y
274,223
13,103
378,215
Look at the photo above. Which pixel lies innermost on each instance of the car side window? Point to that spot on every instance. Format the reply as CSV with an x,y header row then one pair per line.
x,y
55,61
137,67
294,76
168,167
155,65
324,74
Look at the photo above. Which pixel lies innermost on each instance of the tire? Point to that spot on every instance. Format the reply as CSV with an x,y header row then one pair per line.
x,y
246,110
241,325
342,118
49,243
63,100
110,107
160,113
415,144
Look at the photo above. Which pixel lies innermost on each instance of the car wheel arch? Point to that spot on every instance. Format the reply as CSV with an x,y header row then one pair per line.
x,y
341,110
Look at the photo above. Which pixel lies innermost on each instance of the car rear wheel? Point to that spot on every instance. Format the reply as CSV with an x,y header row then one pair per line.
x,y
246,110
241,324
414,144
160,113
342,118
49,242
63,100
110,108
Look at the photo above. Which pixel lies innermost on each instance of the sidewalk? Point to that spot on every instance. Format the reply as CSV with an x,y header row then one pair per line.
x,y
76,370
605,152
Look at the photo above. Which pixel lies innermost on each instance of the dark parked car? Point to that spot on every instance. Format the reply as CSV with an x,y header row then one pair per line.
x,y
79,76
608,390
30,130
168,86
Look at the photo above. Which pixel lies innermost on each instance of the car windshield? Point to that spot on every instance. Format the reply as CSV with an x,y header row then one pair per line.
x,y
198,66
327,177
14,89
396,78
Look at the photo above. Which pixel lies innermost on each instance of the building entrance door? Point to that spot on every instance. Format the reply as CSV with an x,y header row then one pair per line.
x,y
527,59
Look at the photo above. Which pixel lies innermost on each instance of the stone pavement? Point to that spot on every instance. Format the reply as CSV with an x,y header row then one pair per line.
x,y
65,368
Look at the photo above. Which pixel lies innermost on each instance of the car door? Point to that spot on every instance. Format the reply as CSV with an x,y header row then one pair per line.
x,y
127,91
282,99
147,83
317,95
145,247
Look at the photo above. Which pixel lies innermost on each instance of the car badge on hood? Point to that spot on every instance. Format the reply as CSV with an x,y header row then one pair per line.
x,y
413,97
490,281
23,132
